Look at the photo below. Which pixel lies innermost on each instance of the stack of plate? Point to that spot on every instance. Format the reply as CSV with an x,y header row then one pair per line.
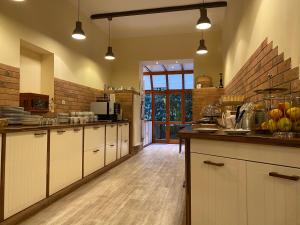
x,y
63,118
14,115
31,120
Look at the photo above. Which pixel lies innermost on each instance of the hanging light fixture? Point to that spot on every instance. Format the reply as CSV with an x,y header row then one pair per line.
x,y
202,50
109,55
78,32
204,22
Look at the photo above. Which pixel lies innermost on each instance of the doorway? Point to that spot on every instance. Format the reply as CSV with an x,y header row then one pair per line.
x,y
168,99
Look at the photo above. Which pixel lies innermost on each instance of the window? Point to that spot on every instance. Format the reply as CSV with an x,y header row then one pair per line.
x,y
148,107
188,107
175,107
147,83
188,81
175,81
159,82
160,107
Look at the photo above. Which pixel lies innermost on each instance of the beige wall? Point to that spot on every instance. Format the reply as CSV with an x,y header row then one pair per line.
x,y
48,25
248,23
130,52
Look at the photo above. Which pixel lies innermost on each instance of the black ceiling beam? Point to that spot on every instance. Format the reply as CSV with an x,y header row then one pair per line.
x,y
159,10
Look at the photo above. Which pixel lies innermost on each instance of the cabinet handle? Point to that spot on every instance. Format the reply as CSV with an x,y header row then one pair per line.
x,y
96,128
111,125
97,150
126,141
112,145
282,176
61,131
213,163
120,125
40,134
77,129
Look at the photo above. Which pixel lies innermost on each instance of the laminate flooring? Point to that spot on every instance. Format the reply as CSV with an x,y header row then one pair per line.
x,y
144,190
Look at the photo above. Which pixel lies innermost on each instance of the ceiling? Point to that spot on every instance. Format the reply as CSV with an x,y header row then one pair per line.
x,y
148,25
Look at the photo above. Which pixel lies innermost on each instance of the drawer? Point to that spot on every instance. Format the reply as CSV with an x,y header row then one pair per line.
x,y
93,160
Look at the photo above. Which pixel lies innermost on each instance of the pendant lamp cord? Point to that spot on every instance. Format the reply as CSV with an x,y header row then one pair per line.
x,y
109,30
78,8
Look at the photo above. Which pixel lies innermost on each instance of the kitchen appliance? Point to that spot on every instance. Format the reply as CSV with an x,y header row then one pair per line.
x,y
107,110
34,103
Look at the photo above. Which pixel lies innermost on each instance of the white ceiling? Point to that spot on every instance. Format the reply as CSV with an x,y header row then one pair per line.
x,y
148,25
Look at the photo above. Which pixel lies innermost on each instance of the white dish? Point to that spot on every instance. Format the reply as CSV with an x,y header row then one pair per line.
x,y
206,130
236,131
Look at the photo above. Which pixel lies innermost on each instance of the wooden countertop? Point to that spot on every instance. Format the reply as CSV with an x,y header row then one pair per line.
x,y
13,129
188,133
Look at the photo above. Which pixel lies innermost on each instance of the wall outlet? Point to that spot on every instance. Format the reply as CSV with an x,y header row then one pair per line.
x,y
63,102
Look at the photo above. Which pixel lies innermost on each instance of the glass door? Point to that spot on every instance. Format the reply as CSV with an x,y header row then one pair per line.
x,y
160,117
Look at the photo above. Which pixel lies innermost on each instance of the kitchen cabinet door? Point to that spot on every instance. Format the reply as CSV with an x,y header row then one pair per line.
x,y
25,170
111,144
218,191
273,194
119,140
125,140
65,158
94,149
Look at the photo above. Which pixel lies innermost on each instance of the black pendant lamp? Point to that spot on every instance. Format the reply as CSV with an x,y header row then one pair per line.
x,y
202,50
204,22
109,54
78,32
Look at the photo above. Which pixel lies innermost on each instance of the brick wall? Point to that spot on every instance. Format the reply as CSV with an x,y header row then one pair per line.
x,y
77,97
203,97
9,85
254,74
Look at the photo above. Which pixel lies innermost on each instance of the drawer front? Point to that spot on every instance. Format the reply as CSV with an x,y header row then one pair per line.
x,y
280,155
273,194
111,134
65,158
94,137
93,160
110,155
25,170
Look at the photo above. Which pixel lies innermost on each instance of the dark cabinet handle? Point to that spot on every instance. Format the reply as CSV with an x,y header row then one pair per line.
x,y
125,141
77,129
213,163
61,131
282,176
112,145
97,150
40,134
96,128
120,125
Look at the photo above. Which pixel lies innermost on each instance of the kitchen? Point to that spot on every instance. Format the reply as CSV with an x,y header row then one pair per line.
x,y
96,96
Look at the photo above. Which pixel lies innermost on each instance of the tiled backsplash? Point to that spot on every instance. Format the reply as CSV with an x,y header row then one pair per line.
x,y
75,97
254,74
9,85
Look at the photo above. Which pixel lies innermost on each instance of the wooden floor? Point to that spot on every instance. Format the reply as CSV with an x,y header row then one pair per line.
x,y
145,190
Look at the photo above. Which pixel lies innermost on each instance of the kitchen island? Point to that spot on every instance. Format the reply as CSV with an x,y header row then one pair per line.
x,y
40,164
241,180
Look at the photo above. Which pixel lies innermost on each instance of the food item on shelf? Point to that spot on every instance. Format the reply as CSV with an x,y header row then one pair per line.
x,y
296,126
293,113
265,126
272,125
276,114
284,124
283,106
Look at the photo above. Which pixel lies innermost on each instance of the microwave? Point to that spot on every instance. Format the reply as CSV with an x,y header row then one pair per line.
x,y
34,103
103,108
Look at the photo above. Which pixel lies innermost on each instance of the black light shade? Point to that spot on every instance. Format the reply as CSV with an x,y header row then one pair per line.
x,y
78,33
202,50
109,55
204,22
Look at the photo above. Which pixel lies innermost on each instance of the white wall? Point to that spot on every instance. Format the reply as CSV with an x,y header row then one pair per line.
x,y
48,25
249,22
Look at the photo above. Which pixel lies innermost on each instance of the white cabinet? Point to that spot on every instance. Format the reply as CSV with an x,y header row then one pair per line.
x,y
273,194
123,140
111,143
25,170
94,149
218,191
65,157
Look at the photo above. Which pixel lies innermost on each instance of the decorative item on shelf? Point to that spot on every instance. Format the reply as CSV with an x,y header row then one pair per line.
x,y
232,100
221,81
34,103
203,82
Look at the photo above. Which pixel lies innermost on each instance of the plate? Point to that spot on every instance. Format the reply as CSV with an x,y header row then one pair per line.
x,y
237,131
205,130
